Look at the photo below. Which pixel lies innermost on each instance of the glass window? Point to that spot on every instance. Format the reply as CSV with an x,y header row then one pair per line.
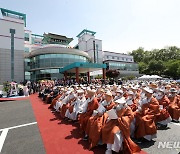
x,y
32,40
26,36
70,56
26,49
59,55
46,56
53,55
27,73
41,56
26,39
55,60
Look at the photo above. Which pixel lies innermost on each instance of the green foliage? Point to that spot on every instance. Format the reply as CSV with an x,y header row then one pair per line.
x,y
128,78
158,61
138,54
99,77
172,68
143,67
156,67
6,86
112,73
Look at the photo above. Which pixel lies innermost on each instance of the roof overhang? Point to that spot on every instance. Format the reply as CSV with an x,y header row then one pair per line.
x,y
84,67
6,12
85,31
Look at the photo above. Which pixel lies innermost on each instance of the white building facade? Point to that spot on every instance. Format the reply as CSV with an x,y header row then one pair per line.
x,y
11,45
122,62
88,43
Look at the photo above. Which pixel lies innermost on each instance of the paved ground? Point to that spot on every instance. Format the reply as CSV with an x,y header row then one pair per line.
x,y
20,138
172,134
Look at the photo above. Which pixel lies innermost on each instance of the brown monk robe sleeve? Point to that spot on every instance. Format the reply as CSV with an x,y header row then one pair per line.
x,y
84,117
95,126
165,102
134,105
145,109
105,115
92,106
71,107
178,102
54,101
126,116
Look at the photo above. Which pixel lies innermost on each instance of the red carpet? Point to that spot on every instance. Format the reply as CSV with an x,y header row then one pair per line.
x,y
58,135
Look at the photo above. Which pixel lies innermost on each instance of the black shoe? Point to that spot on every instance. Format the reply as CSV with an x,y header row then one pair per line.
x,y
164,126
139,140
85,138
176,121
160,126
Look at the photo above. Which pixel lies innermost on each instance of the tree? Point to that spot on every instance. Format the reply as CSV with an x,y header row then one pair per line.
x,y
158,61
138,54
156,67
143,67
173,68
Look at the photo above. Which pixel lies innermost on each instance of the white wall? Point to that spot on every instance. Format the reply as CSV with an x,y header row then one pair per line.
x,y
5,35
86,44
86,37
122,57
6,24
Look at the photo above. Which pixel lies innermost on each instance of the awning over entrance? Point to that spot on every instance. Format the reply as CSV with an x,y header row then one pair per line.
x,y
84,67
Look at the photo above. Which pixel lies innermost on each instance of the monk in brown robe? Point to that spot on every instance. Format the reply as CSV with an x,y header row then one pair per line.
x,y
132,101
66,105
116,132
92,105
95,123
163,100
55,100
125,93
100,95
119,94
163,118
174,106
146,116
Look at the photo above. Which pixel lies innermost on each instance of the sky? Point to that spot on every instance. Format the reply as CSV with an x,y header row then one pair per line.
x,y
122,25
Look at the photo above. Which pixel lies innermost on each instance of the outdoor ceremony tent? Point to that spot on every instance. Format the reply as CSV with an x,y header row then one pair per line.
x,y
149,77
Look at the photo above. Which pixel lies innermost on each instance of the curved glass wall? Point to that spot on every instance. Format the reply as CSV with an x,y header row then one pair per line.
x,y
49,65
55,60
46,74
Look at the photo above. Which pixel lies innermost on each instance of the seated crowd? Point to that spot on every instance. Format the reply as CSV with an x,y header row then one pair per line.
x,y
116,115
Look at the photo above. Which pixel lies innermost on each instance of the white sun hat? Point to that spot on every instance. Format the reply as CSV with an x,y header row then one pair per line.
x,y
148,90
